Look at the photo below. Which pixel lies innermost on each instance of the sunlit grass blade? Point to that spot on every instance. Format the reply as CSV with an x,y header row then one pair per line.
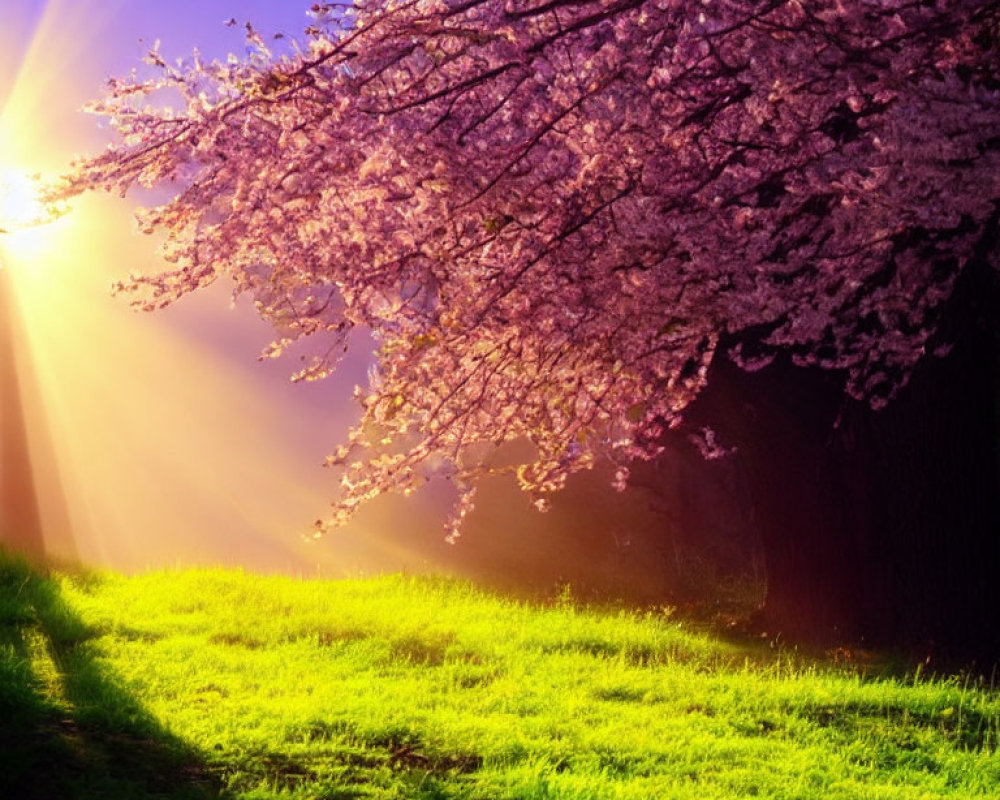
x,y
399,687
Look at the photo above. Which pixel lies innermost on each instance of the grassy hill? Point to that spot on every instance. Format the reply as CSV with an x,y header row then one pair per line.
x,y
197,684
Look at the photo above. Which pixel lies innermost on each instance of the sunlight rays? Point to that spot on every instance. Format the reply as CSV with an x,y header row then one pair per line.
x,y
155,439
168,451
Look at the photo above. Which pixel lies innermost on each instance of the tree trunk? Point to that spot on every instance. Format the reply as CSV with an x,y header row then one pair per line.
x,y
781,421
937,525
882,527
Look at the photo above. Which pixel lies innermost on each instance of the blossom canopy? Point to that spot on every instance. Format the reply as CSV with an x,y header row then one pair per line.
x,y
552,214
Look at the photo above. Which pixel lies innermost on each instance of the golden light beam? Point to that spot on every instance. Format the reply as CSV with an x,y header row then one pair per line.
x,y
168,447
20,514
55,63
22,465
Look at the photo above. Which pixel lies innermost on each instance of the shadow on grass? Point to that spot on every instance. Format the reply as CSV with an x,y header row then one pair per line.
x,y
68,728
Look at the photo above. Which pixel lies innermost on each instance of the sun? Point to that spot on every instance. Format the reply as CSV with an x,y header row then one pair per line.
x,y
26,229
21,205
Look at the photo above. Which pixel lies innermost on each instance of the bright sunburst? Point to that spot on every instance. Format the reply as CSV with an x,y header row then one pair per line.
x,y
20,203
25,232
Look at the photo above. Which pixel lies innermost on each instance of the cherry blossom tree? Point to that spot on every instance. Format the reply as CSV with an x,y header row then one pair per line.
x,y
553,215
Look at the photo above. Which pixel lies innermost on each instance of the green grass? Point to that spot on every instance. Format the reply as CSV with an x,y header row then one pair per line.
x,y
223,684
